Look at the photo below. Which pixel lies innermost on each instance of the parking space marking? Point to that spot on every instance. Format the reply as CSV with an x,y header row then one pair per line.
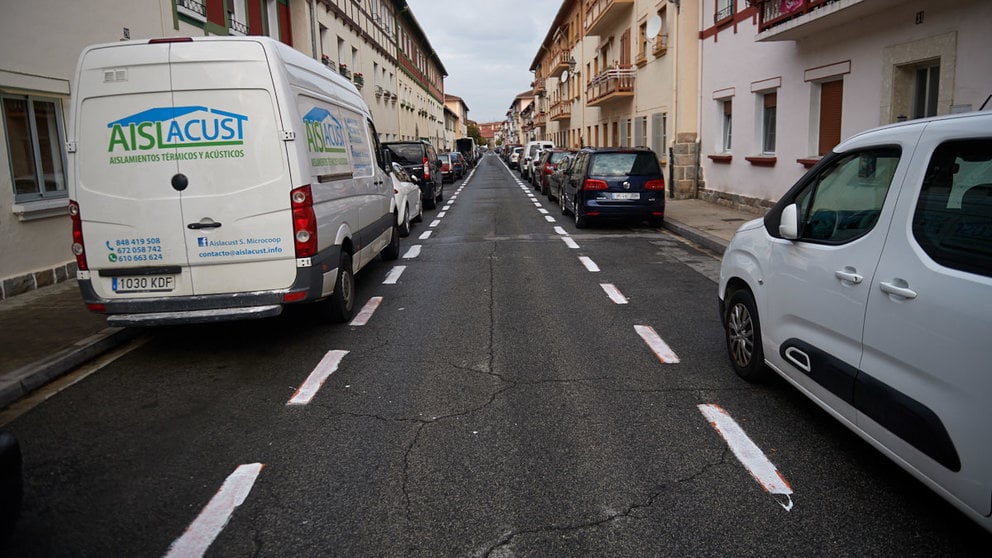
x,y
542,210
425,235
214,517
434,223
561,231
446,208
614,293
327,366
365,314
569,242
748,453
590,265
658,346
441,214
549,219
413,252
394,275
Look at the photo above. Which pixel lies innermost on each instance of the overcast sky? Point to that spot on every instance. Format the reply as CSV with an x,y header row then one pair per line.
x,y
486,47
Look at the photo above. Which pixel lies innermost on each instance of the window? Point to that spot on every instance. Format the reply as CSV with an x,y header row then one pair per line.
x,y
843,202
768,123
831,105
724,9
642,43
659,140
640,131
34,146
727,129
237,17
925,88
953,219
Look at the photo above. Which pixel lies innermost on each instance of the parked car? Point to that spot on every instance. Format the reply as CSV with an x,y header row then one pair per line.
x,y
530,156
458,162
420,160
546,165
868,287
447,169
515,158
409,205
11,484
614,182
557,177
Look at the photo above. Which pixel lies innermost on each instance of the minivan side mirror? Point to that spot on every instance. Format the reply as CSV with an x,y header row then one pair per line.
x,y
788,225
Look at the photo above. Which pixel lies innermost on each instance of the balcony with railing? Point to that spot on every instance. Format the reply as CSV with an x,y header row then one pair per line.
x,y
236,27
540,118
559,63
614,84
195,9
562,110
539,86
789,20
603,15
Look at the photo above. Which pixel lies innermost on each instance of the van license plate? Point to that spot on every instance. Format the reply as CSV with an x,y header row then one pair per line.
x,y
626,196
144,284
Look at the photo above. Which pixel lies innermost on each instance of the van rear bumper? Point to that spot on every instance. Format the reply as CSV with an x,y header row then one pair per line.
x,y
194,316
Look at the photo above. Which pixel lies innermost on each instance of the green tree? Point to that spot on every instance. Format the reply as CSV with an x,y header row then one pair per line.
x,y
474,133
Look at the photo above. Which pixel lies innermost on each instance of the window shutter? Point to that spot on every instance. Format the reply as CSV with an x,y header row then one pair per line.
x,y
770,99
831,101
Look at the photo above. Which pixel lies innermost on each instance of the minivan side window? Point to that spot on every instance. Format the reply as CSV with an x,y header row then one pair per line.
x,y
953,218
843,201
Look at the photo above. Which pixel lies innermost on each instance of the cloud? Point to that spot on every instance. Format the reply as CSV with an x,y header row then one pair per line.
x,y
486,47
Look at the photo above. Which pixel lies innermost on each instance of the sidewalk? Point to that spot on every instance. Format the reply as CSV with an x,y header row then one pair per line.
x,y
49,332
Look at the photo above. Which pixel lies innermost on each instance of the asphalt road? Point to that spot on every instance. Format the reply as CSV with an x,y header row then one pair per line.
x,y
498,402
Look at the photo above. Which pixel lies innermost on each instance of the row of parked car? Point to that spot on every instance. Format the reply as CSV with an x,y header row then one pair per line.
x,y
594,183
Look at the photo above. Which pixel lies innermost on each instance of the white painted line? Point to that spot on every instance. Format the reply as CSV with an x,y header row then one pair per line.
x,y
542,210
569,242
748,453
445,208
590,265
549,218
327,366
435,223
661,349
441,214
614,293
413,252
394,275
214,517
537,204
425,235
561,231
365,314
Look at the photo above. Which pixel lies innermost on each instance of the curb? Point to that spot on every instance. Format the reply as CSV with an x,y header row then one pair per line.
x,y
702,238
28,378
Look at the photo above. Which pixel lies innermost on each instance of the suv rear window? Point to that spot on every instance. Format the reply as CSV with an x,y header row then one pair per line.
x,y
624,164
407,154
444,157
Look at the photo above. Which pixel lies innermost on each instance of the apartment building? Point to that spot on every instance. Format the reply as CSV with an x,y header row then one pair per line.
x,y
460,109
784,81
378,44
519,126
616,73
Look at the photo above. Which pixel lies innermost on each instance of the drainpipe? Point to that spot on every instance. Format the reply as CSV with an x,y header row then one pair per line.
x,y
313,34
675,105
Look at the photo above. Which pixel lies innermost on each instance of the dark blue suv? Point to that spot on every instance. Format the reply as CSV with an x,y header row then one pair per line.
x,y
614,182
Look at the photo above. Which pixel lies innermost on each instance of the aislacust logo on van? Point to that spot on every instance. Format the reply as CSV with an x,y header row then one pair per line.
x,y
325,134
151,135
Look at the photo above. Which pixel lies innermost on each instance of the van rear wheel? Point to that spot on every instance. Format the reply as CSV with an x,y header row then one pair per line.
x,y
392,250
341,304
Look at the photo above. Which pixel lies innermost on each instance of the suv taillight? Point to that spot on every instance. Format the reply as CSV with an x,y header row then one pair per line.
x,y
591,184
304,222
77,236
658,184
427,169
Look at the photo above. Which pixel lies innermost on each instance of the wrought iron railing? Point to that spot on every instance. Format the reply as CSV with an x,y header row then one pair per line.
x,y
617,80
776,12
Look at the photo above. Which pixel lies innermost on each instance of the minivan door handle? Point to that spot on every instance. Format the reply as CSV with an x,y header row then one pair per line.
x,y
850,275
898,290
197,226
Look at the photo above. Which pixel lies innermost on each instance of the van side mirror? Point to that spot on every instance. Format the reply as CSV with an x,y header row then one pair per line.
x,y
788,225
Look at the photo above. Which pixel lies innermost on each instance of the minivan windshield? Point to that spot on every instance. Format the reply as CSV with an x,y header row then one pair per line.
x,y
624,164
407,154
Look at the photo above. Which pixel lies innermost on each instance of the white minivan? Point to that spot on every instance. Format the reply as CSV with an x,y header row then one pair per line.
x,y
869,288
221,178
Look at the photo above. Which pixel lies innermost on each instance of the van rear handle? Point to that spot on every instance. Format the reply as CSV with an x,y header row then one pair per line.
x,y
197,226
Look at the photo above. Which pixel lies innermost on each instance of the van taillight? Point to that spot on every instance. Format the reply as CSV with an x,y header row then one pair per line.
x,y
655,184
77,236
304,222
171,40
427,169
591,184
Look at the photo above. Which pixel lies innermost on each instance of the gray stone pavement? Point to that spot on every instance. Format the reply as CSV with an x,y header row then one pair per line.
x,y
48,332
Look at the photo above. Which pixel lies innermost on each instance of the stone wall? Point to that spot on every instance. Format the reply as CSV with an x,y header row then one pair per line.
x,y
685,165
13,286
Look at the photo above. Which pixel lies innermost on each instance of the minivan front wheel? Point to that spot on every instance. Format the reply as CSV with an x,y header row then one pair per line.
x,y
743,331
341,303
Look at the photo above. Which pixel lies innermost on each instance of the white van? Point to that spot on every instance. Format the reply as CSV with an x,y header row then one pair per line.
x,y
531,154
868,287
221,178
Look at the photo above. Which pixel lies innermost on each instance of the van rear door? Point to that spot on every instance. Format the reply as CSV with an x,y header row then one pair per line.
x,y
195,187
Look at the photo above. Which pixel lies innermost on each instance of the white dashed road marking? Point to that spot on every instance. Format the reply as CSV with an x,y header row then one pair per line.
x,y
590,265
435,223
425,235
211,521
748,453
394,275
365,314
614,293
561,231
661,349
413,252
549,218
327,366
569,242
